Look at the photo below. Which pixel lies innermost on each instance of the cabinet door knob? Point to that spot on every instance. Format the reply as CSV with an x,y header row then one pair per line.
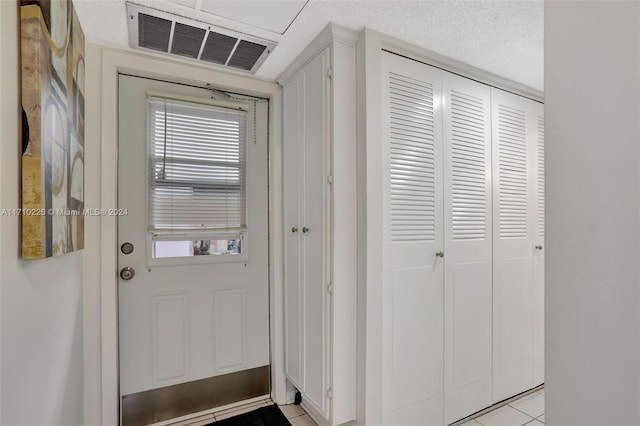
x,y
440,254
305,230
538,247
294,229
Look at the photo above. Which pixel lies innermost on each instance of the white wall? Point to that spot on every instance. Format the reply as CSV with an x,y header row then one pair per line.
x,y
592,162
41,355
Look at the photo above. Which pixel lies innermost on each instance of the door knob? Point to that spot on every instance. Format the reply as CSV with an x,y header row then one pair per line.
x,y
305,230
127,273
440,254
538,247
294,229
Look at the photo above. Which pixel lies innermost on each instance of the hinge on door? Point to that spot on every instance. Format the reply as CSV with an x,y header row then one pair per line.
x,y
330,179
330,288
330,393
330,72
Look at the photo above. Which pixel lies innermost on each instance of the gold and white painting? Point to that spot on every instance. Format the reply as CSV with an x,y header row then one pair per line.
x,y
53,69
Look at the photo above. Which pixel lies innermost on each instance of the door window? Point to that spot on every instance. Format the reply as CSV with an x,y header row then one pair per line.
x,y
196,202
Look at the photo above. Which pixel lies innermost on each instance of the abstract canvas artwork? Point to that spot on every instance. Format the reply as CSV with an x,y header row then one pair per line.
x,y
53,74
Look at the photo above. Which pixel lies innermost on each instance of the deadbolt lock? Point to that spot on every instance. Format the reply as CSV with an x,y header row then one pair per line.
x,y
126,248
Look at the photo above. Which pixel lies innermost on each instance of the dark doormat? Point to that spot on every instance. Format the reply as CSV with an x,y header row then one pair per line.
x,y
265,416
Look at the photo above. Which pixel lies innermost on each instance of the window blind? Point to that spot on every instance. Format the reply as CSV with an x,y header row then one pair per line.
x,y
196,167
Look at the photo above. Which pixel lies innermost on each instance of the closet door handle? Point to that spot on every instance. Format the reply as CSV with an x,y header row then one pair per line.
x,y
538,247
294,229
440,254
305,230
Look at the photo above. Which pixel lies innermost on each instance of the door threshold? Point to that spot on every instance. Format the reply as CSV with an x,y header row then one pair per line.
x,y
171,402
208,415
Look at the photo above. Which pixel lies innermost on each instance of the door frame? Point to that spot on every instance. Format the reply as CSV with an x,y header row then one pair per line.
x,y
107,64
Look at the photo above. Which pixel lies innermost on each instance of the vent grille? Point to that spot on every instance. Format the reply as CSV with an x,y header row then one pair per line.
x,y
187,40
218,47
468,167
512,169
412,152
540,200
162,32
246,54
154,33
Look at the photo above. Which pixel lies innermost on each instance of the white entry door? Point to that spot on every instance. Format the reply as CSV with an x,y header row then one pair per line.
x,y
192,250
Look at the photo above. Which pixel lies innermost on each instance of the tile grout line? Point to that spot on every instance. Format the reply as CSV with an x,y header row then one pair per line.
x,y
536,393
299,415
498,405
529,415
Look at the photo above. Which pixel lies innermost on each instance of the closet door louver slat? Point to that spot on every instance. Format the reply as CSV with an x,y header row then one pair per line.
x,y
412,164
512,171
540,179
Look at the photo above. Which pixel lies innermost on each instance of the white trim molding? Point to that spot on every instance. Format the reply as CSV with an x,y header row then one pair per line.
x,y
417,53
331,33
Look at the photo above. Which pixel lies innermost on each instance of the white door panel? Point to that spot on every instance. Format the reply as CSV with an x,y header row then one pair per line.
x,y
468,246
292,156
514,156
413,223
464,176
183,323
538,257
313,232
306,148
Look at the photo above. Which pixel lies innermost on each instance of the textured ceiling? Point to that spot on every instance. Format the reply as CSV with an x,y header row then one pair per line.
x,y
504,37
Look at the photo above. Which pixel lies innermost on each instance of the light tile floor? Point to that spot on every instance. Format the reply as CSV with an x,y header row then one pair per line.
x,y
297,416
528,410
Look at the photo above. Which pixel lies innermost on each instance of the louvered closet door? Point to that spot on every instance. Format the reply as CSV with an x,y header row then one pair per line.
x,y
538,257
514,139
412,228
468,246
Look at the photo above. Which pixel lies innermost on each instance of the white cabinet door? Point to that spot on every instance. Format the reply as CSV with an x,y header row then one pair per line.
x,y
293,151
313,236
306,101
538,257
412,230
468,246
514,140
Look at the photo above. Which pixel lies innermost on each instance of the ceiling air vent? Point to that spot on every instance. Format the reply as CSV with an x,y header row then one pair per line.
x,y
163,32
